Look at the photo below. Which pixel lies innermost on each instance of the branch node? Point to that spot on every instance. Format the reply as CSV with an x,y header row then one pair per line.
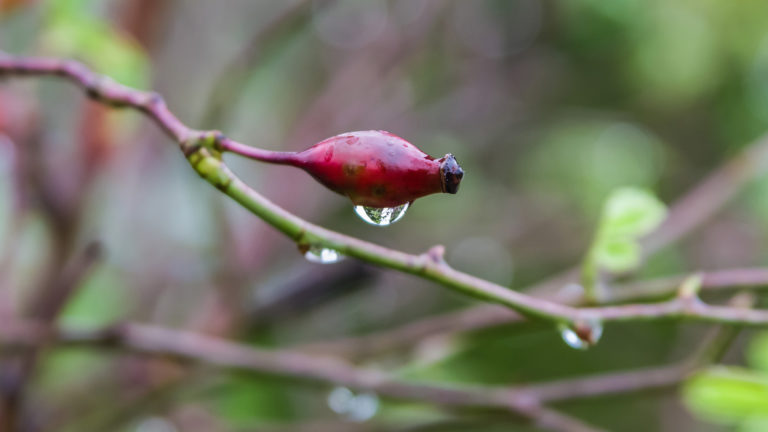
x,y
154,98
690,287
436,254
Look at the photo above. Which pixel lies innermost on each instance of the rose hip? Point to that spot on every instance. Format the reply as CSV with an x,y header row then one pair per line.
x,y
373,168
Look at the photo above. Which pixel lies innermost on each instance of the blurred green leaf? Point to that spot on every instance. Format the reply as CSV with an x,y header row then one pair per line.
x,y
618,255
757,354
74,31
100,301
628,214
244,400
632,213
754,424
727,395
584,159
675,57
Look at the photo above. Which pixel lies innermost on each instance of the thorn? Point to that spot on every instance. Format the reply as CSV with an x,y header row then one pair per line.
x,y
436,254
154,98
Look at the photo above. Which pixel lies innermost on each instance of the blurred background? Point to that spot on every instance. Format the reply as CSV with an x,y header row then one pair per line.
x,y
548,106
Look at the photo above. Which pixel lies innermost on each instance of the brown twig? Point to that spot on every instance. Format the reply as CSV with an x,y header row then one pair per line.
x,y
180,345
20,368
523,400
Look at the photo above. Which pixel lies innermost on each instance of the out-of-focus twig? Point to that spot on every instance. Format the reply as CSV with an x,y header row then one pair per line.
x,y
523,400
412,333
20,368
152,340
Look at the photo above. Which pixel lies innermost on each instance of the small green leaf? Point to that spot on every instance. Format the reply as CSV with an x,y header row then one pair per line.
x,y
727,395
628,214
618,255
757,354
631,212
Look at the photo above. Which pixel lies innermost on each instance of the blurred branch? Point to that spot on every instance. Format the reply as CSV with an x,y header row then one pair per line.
x,y
716,280
202,150
18,370
467,320
186,346
523,400
46,309
711,350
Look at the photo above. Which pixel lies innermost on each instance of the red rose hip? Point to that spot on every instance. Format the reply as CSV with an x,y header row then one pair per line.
x,y
377,170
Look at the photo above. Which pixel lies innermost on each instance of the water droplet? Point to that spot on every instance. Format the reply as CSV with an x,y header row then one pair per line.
x,y
357,408
381,216
582,335
319,254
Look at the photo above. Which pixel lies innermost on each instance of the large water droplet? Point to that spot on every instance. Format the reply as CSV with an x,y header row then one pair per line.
x,y
357,408
381,216
582,335
319,254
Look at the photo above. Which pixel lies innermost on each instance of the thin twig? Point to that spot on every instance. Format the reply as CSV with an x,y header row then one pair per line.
x,y
181,345
410,334
523,400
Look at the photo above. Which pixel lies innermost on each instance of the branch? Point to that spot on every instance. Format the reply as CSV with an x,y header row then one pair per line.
x,y
202,149
523,400
469,319
187,346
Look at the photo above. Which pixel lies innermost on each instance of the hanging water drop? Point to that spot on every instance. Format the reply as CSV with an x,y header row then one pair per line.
x,y
571,338
321,255
582,335
381,216
354,407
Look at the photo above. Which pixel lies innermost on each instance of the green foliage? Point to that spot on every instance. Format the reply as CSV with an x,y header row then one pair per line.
x,y
736,396
728,395
628,215
74,31
244,401
100,301
584,159
618,255
758,352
